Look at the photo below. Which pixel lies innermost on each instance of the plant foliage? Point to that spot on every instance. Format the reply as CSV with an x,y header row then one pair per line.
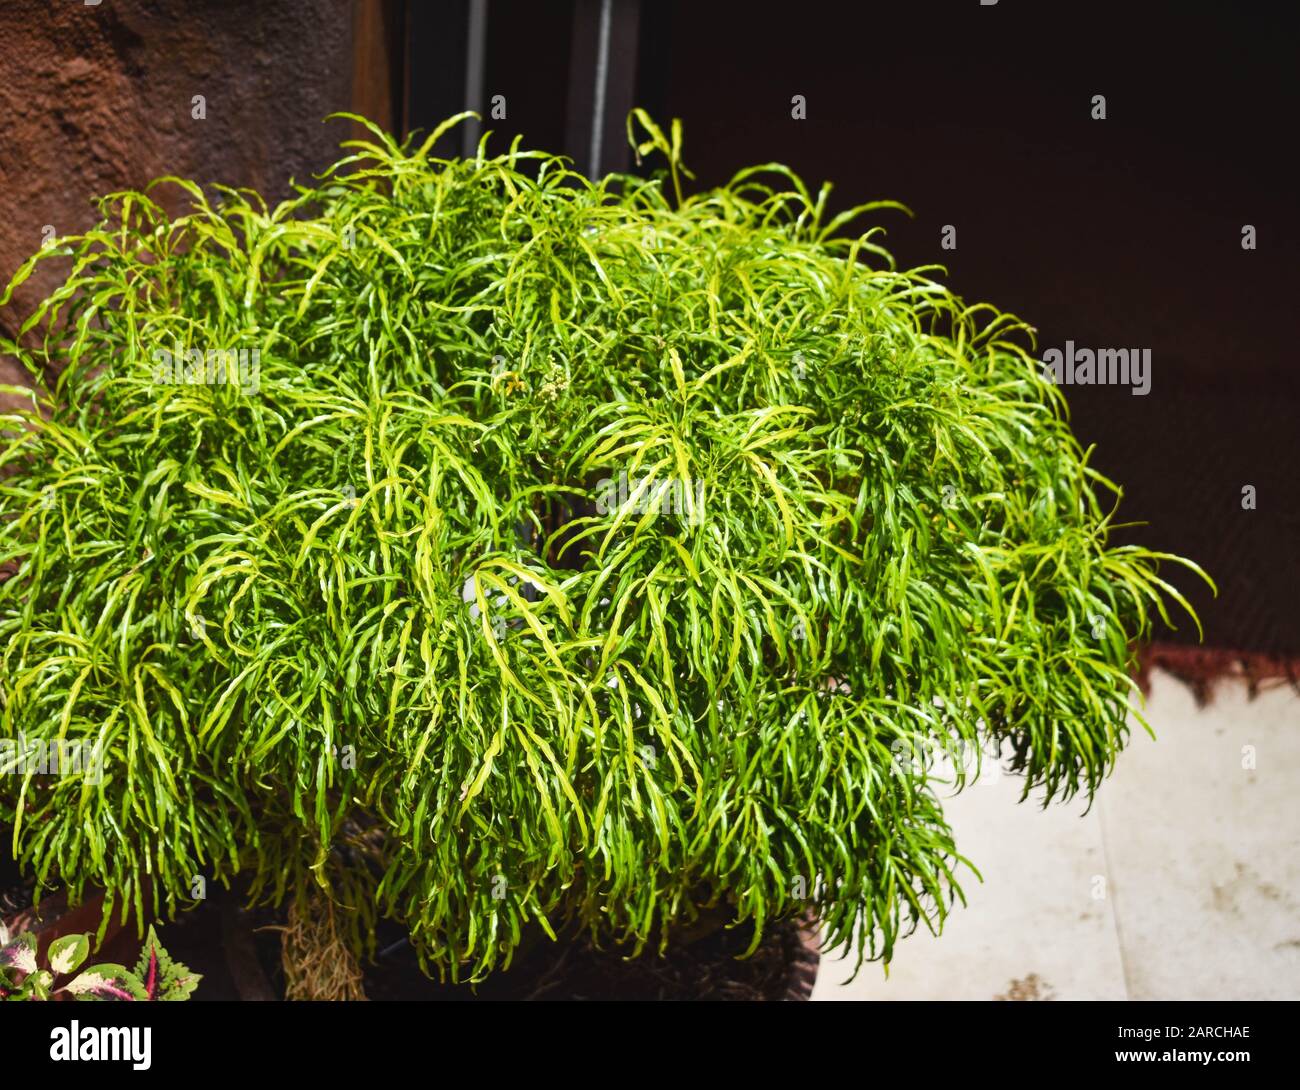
x,y
584,555
155,978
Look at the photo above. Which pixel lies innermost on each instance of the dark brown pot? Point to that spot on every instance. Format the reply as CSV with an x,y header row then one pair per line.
x,y
783,968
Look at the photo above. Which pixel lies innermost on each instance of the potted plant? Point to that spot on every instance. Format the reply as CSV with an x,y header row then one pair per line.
x,y
516,556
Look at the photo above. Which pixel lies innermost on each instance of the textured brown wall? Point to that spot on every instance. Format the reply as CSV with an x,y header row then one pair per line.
x,y
98,98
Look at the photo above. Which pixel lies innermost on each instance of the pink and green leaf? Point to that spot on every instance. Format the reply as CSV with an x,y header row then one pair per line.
x,y
20,953
108,981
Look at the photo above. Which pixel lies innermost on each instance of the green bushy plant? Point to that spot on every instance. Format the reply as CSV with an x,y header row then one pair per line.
x,y
571,554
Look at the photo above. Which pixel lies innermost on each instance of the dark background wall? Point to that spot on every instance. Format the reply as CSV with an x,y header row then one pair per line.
x,y
99,98
1123,232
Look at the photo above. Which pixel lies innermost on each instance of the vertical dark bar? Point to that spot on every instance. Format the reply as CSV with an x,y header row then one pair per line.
x,y
437,68
654,61
582,67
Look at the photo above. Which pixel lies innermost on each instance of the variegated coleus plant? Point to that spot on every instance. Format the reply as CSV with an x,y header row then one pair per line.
x,y
155,977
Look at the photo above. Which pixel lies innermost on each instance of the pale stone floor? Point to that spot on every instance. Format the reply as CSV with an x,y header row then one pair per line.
x,y
1183,882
